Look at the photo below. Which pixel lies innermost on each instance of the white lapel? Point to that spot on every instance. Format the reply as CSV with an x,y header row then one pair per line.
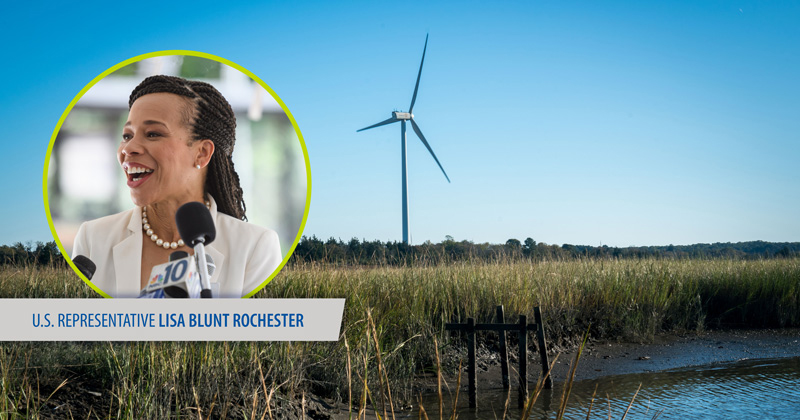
x,y
219,258
128,258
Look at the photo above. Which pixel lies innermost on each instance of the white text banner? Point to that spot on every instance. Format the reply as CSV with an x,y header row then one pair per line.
x,y
171,319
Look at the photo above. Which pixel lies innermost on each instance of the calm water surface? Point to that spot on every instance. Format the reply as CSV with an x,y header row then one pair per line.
x,y
745,389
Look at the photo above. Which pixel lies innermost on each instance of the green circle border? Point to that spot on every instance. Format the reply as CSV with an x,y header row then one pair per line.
x,y
161,54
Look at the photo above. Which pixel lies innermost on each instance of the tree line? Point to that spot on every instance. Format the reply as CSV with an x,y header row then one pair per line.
x,y
363,252
39,253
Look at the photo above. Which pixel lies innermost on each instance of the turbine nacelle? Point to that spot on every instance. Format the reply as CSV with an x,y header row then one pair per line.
x,y
402,115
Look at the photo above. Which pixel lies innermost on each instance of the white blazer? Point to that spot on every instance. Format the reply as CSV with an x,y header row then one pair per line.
x,y
245,255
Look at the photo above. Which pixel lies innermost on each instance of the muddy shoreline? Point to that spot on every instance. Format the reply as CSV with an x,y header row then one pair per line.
x,y
666,351
678,350
606,358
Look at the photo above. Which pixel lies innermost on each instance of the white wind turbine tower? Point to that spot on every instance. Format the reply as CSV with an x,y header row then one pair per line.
x,y
403,117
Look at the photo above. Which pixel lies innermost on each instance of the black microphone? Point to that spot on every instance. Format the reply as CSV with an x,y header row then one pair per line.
x,y
178,255
85,266
195,224
196,227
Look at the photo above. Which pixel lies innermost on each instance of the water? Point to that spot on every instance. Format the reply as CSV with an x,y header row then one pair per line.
x,y
745,389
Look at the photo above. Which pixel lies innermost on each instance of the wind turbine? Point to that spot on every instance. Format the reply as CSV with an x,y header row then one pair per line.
x,y
403,117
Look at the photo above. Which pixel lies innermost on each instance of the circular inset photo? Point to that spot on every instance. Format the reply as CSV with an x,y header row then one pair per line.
x,y
177,156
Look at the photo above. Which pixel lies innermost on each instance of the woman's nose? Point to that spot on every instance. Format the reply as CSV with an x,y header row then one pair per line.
x,y
131,147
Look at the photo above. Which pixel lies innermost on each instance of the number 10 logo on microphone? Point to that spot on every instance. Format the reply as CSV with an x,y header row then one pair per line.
x,y
175,279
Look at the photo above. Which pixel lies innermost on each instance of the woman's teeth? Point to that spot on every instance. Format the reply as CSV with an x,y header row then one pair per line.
x,y
133,170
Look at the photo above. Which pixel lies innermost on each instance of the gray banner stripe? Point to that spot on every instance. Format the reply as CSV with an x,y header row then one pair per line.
x,y
171,319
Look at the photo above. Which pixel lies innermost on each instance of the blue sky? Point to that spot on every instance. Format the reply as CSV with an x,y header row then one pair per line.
x,y
621,123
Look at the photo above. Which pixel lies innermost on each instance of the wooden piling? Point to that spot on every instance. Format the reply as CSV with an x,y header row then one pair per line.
x,y
472,377
537,314
523,360
501,319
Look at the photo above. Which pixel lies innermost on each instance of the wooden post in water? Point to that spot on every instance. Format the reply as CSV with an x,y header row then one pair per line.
x,y
501,319
523,360
472,377
537,315
522,329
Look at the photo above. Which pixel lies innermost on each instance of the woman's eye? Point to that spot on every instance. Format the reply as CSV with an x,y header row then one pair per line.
x,y
126,136
153,134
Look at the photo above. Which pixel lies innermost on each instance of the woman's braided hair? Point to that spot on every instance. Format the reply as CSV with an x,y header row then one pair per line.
x,y
211,118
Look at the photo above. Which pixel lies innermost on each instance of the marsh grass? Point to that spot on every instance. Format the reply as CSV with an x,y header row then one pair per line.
x,y
36,281
392,316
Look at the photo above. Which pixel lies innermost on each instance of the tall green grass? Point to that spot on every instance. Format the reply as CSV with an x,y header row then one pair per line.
x,y
627,299
407,307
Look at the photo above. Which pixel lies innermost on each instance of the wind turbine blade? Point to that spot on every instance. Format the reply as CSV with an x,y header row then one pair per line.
x,y
425,142
389,121
416,87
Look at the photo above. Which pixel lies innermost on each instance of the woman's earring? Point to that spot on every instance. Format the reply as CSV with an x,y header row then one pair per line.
x,y
198,166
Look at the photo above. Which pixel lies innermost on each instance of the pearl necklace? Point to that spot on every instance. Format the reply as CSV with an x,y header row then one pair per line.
x,y
160,242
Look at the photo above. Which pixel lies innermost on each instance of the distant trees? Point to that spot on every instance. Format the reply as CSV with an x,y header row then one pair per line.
x,y
39,253
361,252
528,247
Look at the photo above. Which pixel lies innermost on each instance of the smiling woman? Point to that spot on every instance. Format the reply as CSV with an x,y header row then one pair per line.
x,y
176,147
156,131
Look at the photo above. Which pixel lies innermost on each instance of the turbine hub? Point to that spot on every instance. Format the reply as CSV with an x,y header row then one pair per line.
x,y
402,115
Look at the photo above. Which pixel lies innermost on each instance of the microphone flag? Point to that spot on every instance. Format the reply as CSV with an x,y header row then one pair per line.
x,y
175,279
